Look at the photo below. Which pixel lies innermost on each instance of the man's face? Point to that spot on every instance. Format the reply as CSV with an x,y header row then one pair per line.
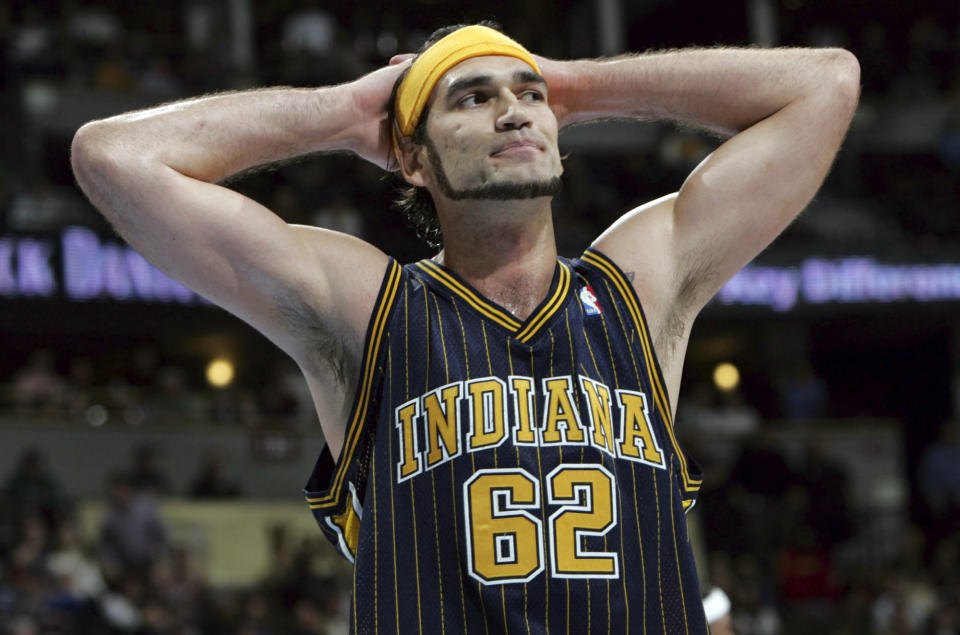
x,y
491,133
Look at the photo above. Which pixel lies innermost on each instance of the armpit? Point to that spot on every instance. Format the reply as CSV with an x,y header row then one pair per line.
x,y
326,352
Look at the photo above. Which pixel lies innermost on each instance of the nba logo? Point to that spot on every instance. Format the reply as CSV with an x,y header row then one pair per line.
x,y
589,301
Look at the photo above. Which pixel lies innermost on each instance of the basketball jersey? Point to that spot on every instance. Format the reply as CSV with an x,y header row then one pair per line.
x,y
512,476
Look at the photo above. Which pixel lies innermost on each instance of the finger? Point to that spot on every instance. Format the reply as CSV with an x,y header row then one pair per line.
x,y
401,58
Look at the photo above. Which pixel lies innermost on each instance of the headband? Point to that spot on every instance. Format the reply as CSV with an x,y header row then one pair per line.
x,y
429,67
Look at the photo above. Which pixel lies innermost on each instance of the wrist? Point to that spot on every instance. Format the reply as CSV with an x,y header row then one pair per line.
x,y
569,84
337,113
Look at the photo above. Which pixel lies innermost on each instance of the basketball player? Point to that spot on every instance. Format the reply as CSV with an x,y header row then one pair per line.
x,y
500,454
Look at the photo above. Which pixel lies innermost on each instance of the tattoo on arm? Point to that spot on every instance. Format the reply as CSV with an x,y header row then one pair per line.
x,y
630,275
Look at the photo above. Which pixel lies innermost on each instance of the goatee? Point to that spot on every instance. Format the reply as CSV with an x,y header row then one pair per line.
x,y
491,191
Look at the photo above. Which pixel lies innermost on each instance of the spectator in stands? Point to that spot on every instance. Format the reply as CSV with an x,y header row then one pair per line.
x,y
31,490
178,583
756,612
256,618
28,559
22,625
80,386
37,387
78,571
39,207
141,371
938,480
803,394
75,585
210,481
826,481
158,79
314,55
746,513
338,214
146,474
278,398
33,42
172,399
133,536
949,142
91,26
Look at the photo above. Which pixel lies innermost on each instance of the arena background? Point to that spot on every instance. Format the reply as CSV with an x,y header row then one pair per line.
x,y
820,394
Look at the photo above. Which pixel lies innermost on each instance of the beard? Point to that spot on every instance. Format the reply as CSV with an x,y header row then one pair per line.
x,y
491,191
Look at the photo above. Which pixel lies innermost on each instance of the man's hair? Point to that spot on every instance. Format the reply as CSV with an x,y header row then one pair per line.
x,y
414,201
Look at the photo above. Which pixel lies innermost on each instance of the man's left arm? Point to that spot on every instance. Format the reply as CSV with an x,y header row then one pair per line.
x,y
788,111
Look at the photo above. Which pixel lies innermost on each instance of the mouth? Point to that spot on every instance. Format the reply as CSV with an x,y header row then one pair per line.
x,y
520,146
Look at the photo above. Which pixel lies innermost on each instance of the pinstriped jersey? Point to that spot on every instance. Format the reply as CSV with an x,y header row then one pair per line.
x,y
512,476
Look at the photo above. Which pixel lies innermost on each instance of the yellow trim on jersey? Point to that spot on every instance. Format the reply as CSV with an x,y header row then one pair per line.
x,y
608,267
523,331
378,323
347,526
534,322
473,299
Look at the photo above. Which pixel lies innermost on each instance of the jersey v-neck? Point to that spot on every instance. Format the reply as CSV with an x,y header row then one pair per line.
x,y
524,330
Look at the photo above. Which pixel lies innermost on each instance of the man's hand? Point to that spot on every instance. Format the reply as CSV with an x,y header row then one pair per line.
x,y
372,92
559,77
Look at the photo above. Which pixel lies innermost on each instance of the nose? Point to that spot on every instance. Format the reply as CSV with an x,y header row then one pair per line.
x,y
511,114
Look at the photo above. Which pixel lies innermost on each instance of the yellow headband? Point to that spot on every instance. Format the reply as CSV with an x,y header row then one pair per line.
x,y
429,67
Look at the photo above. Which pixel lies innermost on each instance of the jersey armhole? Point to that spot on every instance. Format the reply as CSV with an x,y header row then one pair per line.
x,y
689,472
612,272
326,489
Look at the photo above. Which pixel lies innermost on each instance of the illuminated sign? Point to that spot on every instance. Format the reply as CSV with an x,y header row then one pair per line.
x,y
81,267
820,281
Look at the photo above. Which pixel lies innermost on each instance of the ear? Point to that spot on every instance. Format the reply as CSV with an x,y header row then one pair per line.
x,y
413,162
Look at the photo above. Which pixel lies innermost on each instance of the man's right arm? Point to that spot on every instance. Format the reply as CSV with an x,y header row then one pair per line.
x,y
153,175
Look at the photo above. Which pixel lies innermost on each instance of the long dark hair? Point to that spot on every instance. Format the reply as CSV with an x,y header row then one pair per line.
x,y
415,201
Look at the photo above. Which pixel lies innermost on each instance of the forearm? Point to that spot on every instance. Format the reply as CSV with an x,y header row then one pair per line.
x,y
211,138
725,90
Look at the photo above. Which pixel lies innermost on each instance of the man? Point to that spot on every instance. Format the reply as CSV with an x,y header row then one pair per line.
x,y
500,454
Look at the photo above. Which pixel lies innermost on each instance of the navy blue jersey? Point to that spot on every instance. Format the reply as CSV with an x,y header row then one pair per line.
x,y
512,476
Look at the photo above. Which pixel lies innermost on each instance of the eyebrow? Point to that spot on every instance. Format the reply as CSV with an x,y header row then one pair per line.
x,y
528,77
519,77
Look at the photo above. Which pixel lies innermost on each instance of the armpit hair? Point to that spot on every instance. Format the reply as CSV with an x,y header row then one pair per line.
x,y
326,351
674,328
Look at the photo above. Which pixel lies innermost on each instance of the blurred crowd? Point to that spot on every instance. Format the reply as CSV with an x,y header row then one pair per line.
x,y
783,534
140,386
892,186
796,552
131,577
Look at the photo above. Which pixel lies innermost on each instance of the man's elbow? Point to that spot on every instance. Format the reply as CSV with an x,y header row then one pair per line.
x,y
843,77
86,152
95,154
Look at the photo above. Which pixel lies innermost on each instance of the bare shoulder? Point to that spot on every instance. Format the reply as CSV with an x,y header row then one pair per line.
x,y
322,314
642,244
327,313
